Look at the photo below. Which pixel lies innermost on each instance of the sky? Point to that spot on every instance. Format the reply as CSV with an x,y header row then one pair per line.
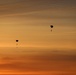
x,y
39,51
23,61
29,21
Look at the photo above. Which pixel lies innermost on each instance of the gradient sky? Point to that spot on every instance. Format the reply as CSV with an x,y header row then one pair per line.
x,y
30,20
36,61
40,51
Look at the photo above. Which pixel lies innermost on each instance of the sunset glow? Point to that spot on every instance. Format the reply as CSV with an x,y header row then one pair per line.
x,y
41,50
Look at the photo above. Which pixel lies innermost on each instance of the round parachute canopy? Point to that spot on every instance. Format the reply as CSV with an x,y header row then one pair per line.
x,y
17,40
51,26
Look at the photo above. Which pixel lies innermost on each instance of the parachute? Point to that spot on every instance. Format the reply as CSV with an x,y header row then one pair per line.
x,y
51,27
17,42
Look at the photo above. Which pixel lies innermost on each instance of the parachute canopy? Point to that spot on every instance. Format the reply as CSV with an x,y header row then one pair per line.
x,y
17,40
51,26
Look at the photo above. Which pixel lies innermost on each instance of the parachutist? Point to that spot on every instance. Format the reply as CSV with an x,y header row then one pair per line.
x,y
17,43
51,27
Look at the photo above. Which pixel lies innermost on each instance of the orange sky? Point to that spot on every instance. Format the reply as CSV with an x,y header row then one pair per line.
x,y
39,51
29,22
37,61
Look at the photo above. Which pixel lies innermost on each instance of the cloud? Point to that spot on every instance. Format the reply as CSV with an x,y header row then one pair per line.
x,y
18,7
39,62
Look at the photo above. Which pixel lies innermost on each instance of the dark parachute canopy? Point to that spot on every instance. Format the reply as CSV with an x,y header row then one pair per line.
x,y
51,26
17,40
